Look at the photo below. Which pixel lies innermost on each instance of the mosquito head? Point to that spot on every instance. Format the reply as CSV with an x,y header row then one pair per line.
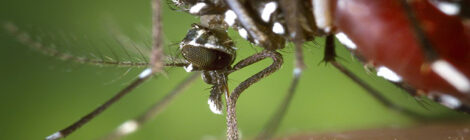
x,y
207,49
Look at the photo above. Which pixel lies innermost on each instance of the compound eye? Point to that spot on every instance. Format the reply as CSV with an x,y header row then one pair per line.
x,y
206,58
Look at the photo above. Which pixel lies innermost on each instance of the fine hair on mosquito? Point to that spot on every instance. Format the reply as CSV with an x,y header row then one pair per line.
x,y
212,59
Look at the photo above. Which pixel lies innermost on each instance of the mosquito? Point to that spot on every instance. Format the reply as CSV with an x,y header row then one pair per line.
x,y
207,48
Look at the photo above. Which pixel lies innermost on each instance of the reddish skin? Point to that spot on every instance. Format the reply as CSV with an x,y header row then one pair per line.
x,y
383,35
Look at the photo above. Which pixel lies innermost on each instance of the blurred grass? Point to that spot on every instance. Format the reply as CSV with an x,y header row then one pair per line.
x,y
41,94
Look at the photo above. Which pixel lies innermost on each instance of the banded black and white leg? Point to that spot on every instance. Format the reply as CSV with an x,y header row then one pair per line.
x,y
330,57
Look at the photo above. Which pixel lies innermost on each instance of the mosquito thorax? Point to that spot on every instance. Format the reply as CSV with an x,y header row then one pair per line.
x,y
207,49
267,15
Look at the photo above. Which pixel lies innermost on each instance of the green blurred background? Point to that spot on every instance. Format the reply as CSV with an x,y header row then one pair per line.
x,y
41,94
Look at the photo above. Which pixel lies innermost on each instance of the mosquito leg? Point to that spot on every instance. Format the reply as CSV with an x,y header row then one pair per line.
x,y
437,64
156,66
271,127
330,55
374,93
429,52
413,92
66,131
156,58
232,129
291,9
439,98
433,58
465,7
145,75
132,125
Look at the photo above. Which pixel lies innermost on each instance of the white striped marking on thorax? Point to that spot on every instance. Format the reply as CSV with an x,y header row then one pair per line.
x,y
278,28
243,33
230,17
197,7
268,10
452,75
193,42
177,2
